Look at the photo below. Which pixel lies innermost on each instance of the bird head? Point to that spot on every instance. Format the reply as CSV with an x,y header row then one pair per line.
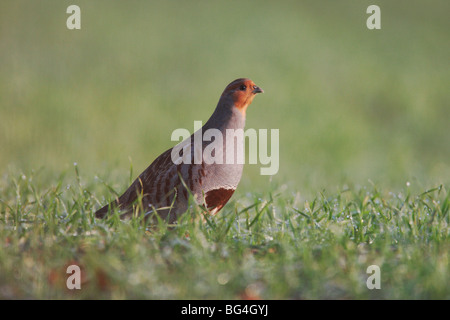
x,y
241,91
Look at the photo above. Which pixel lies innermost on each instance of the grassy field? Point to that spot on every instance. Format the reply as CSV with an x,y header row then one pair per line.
x,y
364,148
263,246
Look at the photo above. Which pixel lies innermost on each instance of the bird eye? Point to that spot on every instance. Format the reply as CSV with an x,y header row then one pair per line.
x,y
243,87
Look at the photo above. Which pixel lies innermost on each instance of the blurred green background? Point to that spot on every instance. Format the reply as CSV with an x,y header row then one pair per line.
x,y
351,104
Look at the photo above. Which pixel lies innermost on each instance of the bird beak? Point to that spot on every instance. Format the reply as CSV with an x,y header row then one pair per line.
x,y
258,90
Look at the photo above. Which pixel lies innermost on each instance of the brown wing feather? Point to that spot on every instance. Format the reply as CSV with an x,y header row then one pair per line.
x,y
142,185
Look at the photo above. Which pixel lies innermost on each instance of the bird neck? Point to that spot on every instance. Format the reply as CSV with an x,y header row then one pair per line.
x,y
226,116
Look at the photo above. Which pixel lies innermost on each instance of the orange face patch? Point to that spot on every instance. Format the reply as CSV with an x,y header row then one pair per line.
x,y
242,92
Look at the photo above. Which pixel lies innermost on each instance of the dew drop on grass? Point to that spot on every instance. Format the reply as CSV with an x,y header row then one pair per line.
x,y
223,278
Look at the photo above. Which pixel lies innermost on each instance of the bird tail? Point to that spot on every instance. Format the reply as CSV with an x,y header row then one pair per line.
x,y
103,212
123,203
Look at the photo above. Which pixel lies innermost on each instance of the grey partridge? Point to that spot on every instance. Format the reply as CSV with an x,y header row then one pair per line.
x,y
162,187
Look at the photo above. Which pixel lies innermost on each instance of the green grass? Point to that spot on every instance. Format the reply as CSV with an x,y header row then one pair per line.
x,y
364,147
275,245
